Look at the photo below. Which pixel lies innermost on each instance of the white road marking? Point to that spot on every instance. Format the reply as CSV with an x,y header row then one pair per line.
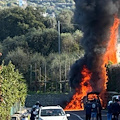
x,y
77,116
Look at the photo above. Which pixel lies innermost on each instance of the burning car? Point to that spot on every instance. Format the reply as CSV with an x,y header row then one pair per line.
x,y
92,96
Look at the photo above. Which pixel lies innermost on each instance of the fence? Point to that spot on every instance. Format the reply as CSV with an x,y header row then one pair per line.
x,y
42,79
17,107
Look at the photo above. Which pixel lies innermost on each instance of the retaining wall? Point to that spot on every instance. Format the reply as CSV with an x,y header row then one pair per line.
x,y
48,99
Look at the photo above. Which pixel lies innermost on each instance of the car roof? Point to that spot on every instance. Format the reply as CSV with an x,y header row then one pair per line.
x,y
97,93
51,107
115,95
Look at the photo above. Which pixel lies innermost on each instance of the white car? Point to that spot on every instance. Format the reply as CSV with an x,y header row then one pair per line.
x,y
116,97
52,113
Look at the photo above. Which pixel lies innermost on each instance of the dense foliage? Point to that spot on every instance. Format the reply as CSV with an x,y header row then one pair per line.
x,y
51,6
13,89
30,41
113,72
27,38
16,21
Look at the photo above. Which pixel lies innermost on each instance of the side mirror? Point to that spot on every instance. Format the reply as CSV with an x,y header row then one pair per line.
x,y
68,115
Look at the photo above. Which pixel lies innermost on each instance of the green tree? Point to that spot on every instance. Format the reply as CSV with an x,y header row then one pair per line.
x,y
66,20
50,23
77,36
13,88
17,21
10,44
68,43
44,42
19,58
37,64
23,61
58,69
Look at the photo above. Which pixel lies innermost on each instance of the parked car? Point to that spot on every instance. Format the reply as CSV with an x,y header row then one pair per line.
x,y
52,113
116,97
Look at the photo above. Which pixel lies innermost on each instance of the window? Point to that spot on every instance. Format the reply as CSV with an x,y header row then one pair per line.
x,y
52,112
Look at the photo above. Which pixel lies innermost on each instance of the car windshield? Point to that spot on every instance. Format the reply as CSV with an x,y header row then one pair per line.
x,y
52,112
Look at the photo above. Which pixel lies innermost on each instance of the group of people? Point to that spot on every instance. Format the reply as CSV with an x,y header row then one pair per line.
x,y
93,110
113,110
35,110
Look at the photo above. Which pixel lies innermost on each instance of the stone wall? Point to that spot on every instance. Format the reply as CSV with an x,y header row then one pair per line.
x,y
48,99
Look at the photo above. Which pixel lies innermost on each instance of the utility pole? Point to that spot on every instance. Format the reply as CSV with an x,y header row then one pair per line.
x,y
40,74
59,51
40,78
59,43
30,75
65,76
35,77
60,78
45,79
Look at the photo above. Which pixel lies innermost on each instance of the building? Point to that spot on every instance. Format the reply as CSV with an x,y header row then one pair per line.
x,y
23,3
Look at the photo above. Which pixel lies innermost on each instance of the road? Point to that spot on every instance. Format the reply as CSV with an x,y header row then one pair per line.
x,y
80,115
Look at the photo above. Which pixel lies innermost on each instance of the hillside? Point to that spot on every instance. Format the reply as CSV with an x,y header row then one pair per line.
x,y
51,7
38,3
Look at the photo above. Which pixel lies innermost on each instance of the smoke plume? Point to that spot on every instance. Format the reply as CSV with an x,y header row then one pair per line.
x,y
95,17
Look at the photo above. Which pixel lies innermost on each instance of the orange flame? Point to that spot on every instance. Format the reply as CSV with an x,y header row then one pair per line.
x,y
111,51
85,86
76,102
92,97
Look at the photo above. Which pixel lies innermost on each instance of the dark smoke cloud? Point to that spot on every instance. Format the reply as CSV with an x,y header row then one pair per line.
x,y
95,18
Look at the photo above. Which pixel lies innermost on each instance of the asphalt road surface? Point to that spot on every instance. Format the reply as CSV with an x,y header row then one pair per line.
x,y
80,115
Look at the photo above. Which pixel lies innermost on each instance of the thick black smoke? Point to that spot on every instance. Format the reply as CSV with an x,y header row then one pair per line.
x,y
95,18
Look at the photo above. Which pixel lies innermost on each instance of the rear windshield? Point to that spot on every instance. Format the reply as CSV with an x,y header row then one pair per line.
x,y
52,112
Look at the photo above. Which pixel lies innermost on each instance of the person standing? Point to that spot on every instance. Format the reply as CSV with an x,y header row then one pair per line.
x,y
115,109
94,110
88,107
32,117
109,108
35,110
99,108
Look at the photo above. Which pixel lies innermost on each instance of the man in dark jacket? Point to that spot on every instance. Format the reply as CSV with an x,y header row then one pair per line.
x,y
88,107
94,110
109,108
35,110
32,117
99,108
115,109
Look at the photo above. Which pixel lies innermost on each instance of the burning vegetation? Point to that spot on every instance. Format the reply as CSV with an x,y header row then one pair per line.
x,y
99,20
